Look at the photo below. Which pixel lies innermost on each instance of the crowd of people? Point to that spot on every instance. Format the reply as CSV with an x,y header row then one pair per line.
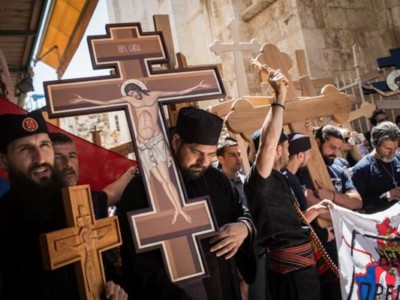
x,y
266,221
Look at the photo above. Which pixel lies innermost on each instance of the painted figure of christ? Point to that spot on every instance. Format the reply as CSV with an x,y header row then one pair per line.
x,y
154,151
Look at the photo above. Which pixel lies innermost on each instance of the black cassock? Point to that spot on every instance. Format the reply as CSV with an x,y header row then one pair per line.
x,y
21,266
145,274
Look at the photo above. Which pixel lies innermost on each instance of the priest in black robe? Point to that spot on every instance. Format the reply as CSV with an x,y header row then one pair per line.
x,y
31,207
194,143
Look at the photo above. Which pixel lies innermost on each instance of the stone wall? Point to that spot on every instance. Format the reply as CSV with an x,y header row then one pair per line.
x,y
325,29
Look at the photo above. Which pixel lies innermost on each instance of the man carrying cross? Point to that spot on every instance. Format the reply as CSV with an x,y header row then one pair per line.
x,y
194,144
153,149
33,206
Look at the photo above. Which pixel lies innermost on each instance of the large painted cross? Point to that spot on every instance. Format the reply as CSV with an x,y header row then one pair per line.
x,y
141,90
82,243
237,48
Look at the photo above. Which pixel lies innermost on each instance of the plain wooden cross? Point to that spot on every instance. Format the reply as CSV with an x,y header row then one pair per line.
x,y
82,243
246,119
307,86
224,108
304,71
237,48
132,53
366,108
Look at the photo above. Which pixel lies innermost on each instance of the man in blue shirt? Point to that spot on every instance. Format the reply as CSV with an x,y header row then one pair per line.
x,y
330,140
377,175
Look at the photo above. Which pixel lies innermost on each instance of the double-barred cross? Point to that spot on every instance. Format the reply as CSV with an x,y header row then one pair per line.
x,y
140,90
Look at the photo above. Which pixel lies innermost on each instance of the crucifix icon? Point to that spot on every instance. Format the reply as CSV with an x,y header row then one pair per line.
x,y
140,90
82,243
237,48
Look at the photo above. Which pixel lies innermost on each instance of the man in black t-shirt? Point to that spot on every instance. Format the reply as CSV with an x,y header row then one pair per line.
x,y
290,271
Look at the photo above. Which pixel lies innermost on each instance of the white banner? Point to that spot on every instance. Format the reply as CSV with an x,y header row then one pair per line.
x,y
369,253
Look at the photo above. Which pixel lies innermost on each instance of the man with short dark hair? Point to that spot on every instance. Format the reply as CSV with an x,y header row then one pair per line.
x,y
194,144
230,160
377,175
66,164
31,207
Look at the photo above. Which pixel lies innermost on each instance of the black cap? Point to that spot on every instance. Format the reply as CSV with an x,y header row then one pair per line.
x,y
256,138
298,143
14,126
198,126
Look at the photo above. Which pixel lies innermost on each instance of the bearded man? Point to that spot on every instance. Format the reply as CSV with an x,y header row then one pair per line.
x,y
330,140
194,144
377,175
33,206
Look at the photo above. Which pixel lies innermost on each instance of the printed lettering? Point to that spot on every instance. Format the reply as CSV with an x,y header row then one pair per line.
x,y
122,49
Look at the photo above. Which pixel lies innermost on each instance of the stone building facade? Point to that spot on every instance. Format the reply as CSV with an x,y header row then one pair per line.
x,y
325,29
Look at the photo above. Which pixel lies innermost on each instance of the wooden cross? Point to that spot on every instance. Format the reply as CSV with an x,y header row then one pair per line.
x,y
307,87
331,103
224,108
82,243
162,23
237,48
132,53
304,71
388,104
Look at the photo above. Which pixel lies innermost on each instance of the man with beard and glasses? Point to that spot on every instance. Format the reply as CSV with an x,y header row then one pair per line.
x,y
151,144
194,144
32,206
377,175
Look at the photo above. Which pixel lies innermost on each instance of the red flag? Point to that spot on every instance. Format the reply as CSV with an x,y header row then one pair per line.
x,y
97,166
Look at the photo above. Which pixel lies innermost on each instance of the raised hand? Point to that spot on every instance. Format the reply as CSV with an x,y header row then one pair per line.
x,y
279,83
